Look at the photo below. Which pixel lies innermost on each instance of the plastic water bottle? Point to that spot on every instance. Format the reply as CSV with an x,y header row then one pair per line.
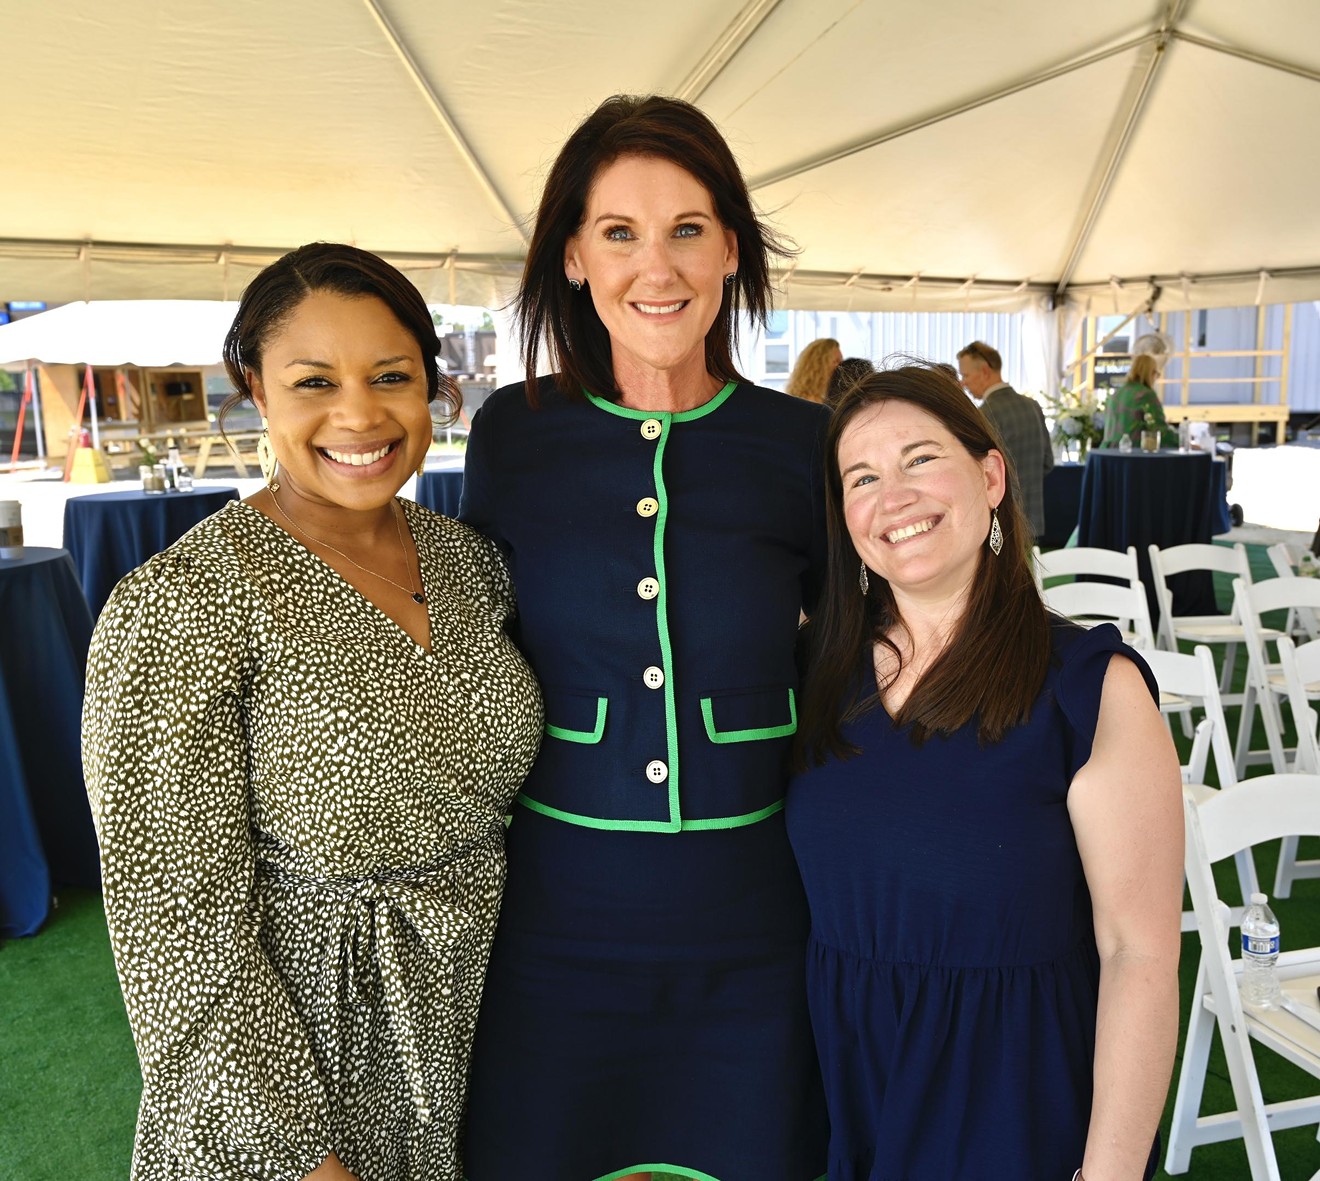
x,y
1260,955
1125,443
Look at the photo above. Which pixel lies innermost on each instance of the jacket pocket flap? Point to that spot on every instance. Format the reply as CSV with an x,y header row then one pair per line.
x,y
575,717
750,715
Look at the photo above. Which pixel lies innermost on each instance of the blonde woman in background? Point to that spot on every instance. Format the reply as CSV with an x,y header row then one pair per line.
x,y
815,366
1128,408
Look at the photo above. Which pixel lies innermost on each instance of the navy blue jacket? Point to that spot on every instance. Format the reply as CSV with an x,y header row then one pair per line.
x,y
660,563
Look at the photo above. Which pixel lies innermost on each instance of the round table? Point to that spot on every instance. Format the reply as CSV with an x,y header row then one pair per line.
x,y
1163,498
1063,497
441,491
46,832
110,533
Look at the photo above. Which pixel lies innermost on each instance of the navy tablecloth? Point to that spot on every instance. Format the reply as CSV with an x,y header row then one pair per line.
x,y
46,832
440,491
110,533
1158,498
1063,497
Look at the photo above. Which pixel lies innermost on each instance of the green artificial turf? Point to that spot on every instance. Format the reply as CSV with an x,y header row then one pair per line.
x,y
69,1081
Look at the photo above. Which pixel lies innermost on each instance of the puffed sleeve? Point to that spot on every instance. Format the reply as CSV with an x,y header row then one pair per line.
x,y
1082,681
230,1087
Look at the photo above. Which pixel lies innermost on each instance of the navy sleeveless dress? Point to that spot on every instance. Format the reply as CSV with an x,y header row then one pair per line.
x,y
952,966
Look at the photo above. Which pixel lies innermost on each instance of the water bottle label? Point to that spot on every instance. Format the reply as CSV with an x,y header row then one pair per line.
x,y
1260,945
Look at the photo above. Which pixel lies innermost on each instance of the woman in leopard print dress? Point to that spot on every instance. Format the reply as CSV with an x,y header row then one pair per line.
x,y
303,726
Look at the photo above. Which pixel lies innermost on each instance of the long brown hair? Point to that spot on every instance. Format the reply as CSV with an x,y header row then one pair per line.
x,y
996,658
546,309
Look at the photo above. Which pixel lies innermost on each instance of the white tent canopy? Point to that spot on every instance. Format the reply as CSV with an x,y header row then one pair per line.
x,y
959,155
149,333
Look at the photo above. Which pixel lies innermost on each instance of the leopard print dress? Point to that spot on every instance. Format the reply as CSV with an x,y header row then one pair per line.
x,y
300,815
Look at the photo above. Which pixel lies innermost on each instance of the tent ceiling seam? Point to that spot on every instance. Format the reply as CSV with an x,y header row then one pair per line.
x,y
438,109
1248,55
873,141
726,47
227,255
1173,12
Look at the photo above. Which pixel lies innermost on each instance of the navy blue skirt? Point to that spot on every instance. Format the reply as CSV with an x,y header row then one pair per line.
x,y
645,1009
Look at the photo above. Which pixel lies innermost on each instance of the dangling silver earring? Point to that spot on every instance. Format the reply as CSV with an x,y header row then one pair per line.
x,y
729,278
266,456
576,284
996,533
864,581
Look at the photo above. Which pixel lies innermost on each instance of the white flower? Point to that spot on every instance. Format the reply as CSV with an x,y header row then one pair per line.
x,y
1070,427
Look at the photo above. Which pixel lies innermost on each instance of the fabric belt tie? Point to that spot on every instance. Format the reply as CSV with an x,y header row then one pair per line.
x,y
378,913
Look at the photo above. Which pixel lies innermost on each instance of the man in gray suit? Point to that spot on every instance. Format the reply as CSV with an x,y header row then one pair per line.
x,y
1018,420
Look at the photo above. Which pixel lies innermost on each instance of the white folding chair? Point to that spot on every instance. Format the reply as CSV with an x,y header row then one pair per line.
x,y
1200,629
1265,682
1186,682
1287,560
1089,603
1081,560
1254,811
1301,677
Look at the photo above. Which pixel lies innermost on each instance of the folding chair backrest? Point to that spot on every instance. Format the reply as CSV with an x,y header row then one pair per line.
x,y
1278,594
1080,560
1301,673
1181,559
1194,678
1094,602
1224,825
1257,810
1223,559
1286,560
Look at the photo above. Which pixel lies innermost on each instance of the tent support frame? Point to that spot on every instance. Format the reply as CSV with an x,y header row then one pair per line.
x,y
438,109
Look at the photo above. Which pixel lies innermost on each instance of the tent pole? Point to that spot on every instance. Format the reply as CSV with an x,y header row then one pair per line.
x,y
741,30
75,431
1281,430
91,406
1119,150
37,423
1258,59
438,109
22,415
882,137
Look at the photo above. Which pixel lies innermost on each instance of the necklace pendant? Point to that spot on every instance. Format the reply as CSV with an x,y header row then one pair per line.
x,y
419,598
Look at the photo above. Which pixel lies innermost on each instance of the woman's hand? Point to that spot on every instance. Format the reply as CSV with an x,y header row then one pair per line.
x,y
330,1170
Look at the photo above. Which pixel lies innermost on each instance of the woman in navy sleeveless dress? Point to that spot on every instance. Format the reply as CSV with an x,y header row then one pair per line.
x,y
992,844
645,1010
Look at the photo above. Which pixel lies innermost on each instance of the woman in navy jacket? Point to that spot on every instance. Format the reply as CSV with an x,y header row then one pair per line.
x,y
663,521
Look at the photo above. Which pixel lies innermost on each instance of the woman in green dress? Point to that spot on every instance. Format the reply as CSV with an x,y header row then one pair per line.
x,y
1135,406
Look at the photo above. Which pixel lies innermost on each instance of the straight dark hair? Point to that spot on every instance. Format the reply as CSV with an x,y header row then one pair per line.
x,y
547,310
276,291
997,657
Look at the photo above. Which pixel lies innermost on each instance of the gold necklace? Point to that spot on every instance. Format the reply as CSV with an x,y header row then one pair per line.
x,y
411,588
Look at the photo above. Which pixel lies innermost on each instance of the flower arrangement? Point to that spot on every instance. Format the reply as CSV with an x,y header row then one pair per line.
x,y
1079,419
